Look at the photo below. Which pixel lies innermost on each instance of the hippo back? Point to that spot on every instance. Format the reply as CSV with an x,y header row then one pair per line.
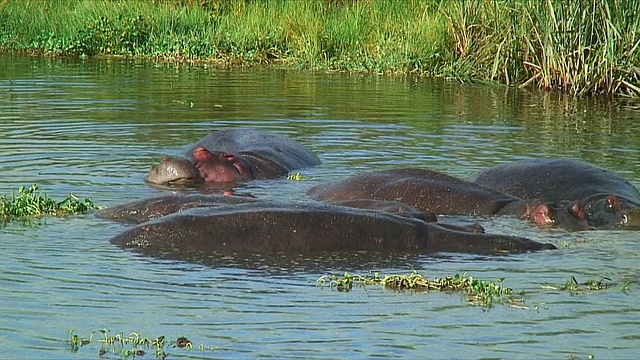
x,y
554,180
304,228
423,189
259,144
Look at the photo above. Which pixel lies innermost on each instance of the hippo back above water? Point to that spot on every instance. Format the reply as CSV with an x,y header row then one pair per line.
x,y
600,196
258,144
438,193
303,228
423,189
554,180
232,155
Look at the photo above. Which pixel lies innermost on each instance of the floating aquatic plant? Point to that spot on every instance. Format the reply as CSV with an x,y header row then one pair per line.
x,y
574,287
132,345
27,202
296,177
478,292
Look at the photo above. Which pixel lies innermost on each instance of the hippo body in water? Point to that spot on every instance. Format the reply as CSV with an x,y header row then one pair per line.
x,y
233,155
140,211
305,227
438,193
600,197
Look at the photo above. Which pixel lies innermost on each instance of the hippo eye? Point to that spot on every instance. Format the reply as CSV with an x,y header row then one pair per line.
x,y
624,219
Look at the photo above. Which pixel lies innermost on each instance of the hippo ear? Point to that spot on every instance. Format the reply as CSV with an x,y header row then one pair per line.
x,y
542,215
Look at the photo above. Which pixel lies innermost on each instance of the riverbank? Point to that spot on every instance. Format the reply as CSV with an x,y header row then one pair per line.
x,y
585,47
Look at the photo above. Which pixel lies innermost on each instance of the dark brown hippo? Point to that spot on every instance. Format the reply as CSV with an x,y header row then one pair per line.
x,y
596,195
392,207
549,214
401,209
305,228
232,155
442,194
140,211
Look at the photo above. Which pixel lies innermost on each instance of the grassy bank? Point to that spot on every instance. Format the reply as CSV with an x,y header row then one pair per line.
x,y
588,46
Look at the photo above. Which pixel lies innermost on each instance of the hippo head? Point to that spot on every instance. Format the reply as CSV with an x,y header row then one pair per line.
x,y
173,171
218,166
606,211
547,214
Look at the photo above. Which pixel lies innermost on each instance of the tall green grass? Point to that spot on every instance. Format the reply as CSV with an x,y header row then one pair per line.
x,y
582,46
586,46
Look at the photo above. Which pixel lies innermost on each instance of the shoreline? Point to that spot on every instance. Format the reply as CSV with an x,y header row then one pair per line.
x,y
574,48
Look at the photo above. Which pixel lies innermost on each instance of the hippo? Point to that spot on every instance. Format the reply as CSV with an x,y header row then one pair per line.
x,y
304,228
392,207
140,211
231,155
401,209
590,193
442,194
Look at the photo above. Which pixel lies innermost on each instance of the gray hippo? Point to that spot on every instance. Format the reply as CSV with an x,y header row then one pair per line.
x,y
305,228
232,155
599,196
439,193
140,211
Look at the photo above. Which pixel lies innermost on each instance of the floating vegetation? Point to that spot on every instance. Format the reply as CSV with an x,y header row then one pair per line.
x,y
296,177
27,202
133,345
478,292
574,287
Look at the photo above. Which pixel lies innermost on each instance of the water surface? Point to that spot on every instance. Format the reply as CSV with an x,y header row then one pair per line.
x,y
94,127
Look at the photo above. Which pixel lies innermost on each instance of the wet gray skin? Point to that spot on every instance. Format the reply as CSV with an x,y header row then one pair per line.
x,y
401,209
173,171
140,211
547,215
233,155
423,189
601,196
392,207
433,192
262,145
266,227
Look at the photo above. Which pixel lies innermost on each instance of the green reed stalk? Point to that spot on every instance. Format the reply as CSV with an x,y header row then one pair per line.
x,y
585,46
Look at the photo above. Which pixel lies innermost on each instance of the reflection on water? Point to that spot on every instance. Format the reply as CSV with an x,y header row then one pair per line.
x,y
94,127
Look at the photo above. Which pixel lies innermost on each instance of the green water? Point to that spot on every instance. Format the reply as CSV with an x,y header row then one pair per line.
x,y
94,127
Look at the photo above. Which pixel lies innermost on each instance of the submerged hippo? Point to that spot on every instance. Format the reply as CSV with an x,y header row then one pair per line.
x,y
600,197
233,155
442,194
310,227
402,209
140,211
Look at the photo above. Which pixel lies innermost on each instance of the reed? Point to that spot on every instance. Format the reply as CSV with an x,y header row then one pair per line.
x,y
587,46
581,47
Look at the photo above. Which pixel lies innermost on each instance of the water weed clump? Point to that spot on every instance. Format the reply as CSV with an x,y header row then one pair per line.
x,y
132,345
28,202
477,292
581,47
574,287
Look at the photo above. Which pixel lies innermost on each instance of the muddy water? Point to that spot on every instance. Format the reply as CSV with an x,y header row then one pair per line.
x,y
94,127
